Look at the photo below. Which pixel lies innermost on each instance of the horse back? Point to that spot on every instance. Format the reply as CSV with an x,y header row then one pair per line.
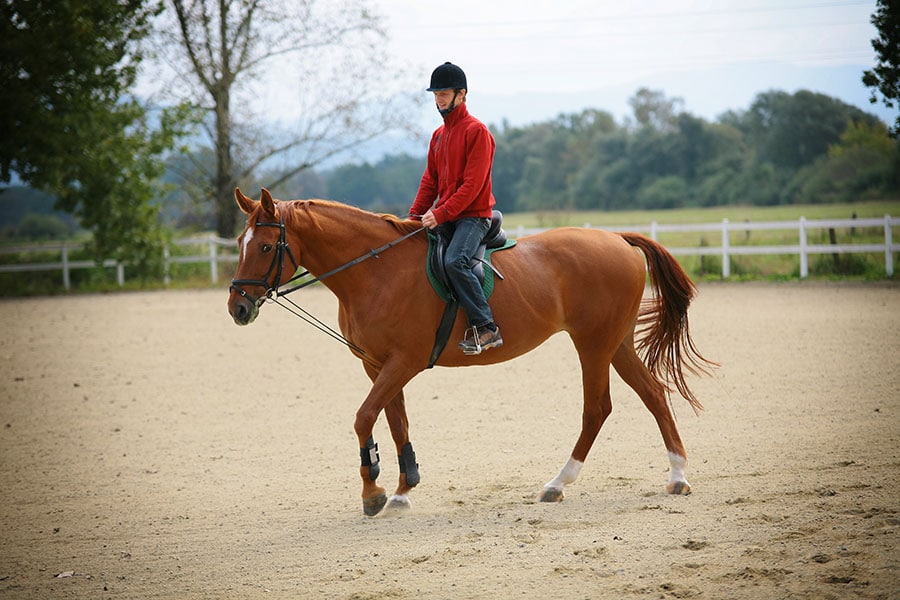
x,y
569,279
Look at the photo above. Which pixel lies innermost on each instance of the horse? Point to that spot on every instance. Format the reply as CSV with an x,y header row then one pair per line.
x,y
589,283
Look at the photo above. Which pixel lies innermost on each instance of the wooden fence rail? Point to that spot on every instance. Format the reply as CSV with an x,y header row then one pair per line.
x,y
725,250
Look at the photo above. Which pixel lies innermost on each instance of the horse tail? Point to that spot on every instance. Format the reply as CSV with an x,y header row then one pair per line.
x,y
662,335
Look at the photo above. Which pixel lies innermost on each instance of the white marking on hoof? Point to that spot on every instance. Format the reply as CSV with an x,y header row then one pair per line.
x,y
568,474
677,482
553,489
396,505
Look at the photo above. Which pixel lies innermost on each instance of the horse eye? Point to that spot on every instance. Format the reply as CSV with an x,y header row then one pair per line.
x,y
266,248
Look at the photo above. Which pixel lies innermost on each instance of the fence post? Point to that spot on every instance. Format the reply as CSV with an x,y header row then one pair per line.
x,y
726,258
120,274
804,260
213,265
167,276
888,251
653,233
67,281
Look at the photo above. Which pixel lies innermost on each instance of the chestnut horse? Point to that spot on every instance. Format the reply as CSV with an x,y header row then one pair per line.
x,y
588,283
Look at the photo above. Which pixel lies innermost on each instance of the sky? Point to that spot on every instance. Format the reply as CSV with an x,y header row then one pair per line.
x,y
529,61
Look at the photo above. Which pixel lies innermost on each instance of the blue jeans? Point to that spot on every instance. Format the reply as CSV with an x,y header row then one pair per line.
x,y
465,237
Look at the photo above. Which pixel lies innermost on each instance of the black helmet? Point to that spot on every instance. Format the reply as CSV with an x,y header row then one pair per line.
x,y
447,77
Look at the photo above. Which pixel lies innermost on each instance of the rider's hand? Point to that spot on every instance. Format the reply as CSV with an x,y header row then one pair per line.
x,y
428,220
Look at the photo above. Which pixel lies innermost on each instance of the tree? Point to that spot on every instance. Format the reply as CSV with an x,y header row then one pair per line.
x,y
885,76
861,165
793,130
652,109
330,61
70,126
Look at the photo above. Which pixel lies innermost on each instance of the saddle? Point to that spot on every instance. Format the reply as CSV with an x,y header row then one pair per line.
x,y
495,239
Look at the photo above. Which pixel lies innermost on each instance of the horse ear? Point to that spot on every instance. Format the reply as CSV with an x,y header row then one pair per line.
x,y
267,203
245,203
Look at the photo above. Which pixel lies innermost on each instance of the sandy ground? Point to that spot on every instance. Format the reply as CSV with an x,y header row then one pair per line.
x,y
150,448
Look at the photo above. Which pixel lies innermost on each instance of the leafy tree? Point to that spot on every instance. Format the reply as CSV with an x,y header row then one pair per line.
x,y
70,126
509,162
725,156
665,192
652,109
544,181
43,227
334,52
861,165
884,77
387,186
793,130
595,185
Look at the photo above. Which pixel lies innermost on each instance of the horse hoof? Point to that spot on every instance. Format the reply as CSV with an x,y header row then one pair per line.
x,y
681,488
551,495
373,506
396,505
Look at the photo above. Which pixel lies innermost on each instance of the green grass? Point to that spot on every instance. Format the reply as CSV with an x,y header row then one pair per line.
x,y
847,266
735,214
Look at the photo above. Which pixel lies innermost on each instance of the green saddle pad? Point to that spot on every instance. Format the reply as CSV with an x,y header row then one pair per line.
x,y
487,285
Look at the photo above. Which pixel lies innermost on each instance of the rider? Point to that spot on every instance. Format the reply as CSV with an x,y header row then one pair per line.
x,y
455,193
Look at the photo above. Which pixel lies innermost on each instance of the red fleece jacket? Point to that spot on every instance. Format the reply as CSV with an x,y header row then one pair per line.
x,y
458,172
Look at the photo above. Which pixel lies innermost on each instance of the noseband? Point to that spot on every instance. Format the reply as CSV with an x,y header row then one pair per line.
x,y
277,265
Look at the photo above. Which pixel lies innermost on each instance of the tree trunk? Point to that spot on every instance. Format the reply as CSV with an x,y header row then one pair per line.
x,y
224,184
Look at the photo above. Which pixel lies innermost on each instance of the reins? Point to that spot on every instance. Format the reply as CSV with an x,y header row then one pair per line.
x,y
372,253
274,292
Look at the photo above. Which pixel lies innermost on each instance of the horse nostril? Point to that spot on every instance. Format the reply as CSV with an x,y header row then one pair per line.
x,y
239,313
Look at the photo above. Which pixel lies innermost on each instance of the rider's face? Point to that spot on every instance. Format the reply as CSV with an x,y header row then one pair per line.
x,y
447,99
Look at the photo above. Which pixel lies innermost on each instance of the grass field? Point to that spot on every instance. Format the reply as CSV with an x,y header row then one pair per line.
x,y
856,265
714,214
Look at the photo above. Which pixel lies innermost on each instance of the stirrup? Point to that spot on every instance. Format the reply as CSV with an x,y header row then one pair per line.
x,y
474,347
471,348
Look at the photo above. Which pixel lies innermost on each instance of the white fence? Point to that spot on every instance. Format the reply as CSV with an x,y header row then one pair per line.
x,y
66,266
725,250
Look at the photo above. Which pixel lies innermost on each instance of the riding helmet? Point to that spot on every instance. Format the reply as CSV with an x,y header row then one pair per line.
x,y
447,77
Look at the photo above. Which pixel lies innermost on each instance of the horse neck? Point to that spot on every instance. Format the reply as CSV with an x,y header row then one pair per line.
x,y
330,235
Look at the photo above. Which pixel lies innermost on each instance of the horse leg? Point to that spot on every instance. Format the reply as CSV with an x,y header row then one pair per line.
x,y
654,394
386,388
395,412
597,407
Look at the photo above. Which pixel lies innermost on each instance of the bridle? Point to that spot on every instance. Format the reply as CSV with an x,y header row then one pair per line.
x,y
277,265
274,292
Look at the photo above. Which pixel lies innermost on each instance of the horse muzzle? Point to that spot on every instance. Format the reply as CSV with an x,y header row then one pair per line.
x,y
242,308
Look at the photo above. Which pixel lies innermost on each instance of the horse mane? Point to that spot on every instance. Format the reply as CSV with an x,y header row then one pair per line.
x,y
353,213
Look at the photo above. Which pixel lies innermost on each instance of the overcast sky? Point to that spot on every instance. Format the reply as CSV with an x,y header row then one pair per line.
x,y
532,60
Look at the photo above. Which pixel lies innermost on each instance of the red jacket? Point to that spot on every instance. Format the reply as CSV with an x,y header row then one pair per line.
x,y
458,173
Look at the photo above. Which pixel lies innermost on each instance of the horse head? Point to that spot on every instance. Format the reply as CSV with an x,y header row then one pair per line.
x,y
262,250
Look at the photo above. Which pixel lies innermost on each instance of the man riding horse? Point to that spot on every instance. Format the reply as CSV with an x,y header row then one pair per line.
x,y
455,195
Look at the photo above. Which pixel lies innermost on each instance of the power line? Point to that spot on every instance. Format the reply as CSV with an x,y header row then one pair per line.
x,y
639,16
